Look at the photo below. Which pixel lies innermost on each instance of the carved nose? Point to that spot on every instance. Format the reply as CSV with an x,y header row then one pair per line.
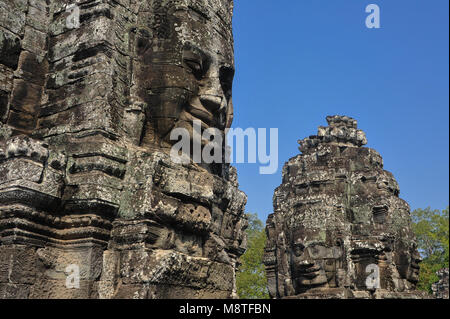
x,y
212,103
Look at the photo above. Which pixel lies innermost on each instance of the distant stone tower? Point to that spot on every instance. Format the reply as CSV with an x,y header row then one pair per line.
x,y
440,288
339,229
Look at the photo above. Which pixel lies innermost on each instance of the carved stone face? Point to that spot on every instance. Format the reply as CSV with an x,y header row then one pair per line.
x,y
186,68
408,262
414,267
315,264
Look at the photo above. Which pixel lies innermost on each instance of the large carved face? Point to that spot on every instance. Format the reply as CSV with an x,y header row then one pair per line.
x,y
315,262
408,262
185,65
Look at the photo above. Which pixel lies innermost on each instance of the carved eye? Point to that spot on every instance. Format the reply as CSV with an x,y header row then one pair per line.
x,y
195,66
196,61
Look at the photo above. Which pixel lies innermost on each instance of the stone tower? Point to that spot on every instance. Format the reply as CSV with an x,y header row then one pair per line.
x,y
339,229
91,203
440,288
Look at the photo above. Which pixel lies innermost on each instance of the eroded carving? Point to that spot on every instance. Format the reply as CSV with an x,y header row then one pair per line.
x,y
85,173
340,229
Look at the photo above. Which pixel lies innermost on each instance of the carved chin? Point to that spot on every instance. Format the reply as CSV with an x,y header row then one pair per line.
x,y
164,126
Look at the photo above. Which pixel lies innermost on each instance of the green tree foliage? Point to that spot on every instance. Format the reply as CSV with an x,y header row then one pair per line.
x,y
432,231
251,278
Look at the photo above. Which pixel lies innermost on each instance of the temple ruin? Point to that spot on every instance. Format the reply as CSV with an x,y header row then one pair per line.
x,y
339,229
89,93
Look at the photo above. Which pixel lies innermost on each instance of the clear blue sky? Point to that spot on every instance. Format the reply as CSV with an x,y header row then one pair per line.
x,y
299,61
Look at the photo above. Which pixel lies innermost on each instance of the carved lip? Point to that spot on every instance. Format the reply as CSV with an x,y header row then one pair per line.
x,y
309,275
190,118
194,112
308,271
202,115
205,108
415,266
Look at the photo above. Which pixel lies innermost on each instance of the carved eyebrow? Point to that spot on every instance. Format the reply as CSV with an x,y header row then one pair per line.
x,y
189,47
192,56
199,12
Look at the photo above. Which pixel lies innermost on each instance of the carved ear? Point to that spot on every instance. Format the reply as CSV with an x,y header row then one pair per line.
x,y
230,114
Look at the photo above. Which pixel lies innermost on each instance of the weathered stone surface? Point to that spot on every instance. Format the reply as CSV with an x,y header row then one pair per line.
x,y
440,289
338,222
85,173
